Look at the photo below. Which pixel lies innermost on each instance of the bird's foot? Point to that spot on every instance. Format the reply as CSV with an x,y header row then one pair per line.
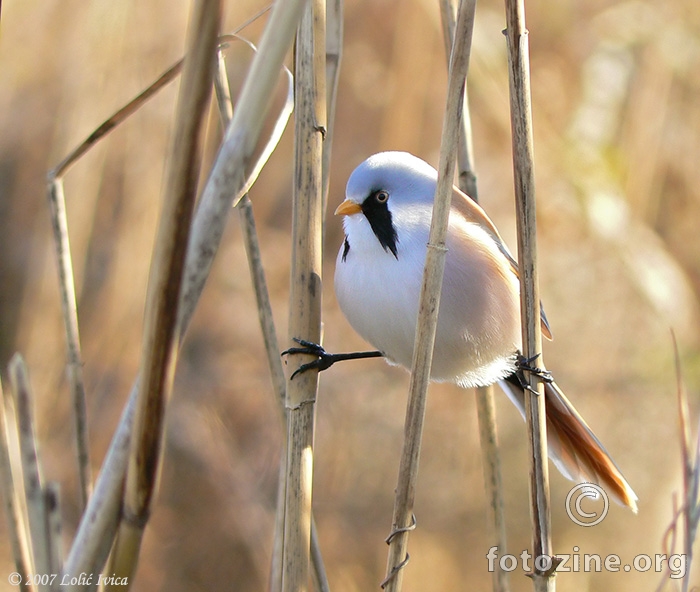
x,y
325,360
524,364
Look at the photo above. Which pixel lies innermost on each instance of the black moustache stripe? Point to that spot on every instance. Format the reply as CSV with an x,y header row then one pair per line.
x,y
346,248
379,218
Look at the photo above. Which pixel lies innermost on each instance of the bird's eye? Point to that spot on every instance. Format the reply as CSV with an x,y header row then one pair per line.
x,y
381,196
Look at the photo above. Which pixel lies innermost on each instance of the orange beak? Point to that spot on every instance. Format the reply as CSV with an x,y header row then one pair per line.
x,y
348,208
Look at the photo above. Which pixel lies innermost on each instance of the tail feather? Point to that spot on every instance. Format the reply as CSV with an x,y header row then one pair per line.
x,y
573,447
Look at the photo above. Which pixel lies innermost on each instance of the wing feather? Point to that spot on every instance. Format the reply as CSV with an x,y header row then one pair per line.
x,y
474,213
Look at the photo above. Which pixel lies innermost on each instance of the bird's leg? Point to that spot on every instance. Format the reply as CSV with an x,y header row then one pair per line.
x,y
524,364
325,360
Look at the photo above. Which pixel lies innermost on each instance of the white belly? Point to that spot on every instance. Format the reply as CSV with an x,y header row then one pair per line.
x,y
479,321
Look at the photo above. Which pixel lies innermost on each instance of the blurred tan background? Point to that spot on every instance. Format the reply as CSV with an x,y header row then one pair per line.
x,y
616,101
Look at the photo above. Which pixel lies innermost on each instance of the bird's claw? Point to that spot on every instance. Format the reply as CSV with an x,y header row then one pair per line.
x,y
324,361
524,364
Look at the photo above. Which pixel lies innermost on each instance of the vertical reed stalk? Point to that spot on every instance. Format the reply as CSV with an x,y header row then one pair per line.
x,y
54,526
161,332
32,473
334,51
305,292
272,349
12,503
689,512
59,225
523,165
485,404
429,302
465,151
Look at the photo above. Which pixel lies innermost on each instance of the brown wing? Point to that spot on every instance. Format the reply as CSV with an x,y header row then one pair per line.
x,y
474,213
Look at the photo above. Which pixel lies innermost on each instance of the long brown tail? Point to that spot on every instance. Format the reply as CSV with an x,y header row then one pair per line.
x,y
573,447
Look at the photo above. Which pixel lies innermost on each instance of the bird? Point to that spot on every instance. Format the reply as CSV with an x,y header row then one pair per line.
x,y
378,275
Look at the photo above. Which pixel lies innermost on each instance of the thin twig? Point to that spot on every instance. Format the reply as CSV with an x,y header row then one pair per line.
x,y
306,287
491,459
32,473
112,122
318,568
52,503
250,235
160,334
134,105
13,506
429,300
267,322
466,173
276,570
523,165
59,223
334,52
262,297
485,405
690,508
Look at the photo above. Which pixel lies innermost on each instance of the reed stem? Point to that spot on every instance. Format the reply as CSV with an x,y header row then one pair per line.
x,y
306,287
523,166
402,520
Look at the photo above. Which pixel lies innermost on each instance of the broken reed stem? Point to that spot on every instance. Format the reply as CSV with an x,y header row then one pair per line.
x,y
429,301
112,122
57,203
132,107
272,349
523,165
485,404
160,334
226,182
66,278
305,290
59,221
